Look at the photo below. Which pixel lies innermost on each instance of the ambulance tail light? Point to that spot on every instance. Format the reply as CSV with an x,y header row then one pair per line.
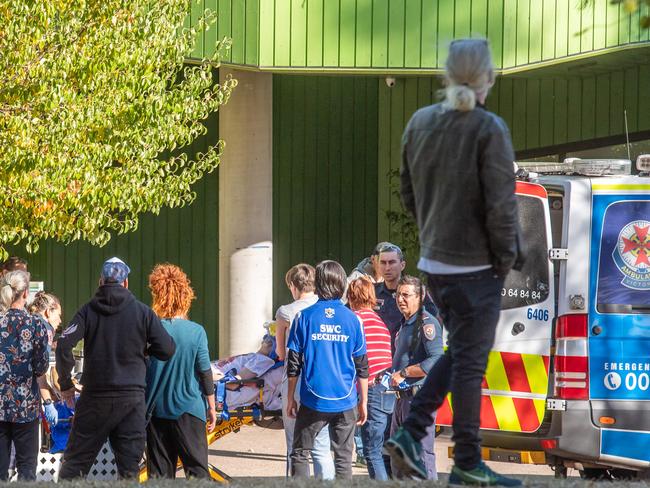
x,y
571,364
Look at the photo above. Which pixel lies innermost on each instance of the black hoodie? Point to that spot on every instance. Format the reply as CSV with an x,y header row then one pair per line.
x,y
118,332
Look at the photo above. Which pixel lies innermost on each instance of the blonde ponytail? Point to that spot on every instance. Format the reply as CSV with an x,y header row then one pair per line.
x,y
469,71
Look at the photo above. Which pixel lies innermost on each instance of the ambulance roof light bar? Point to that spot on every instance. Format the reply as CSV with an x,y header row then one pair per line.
x,y
643,163
577,166
600,167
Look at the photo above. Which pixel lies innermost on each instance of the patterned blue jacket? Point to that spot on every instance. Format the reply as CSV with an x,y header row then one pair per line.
x,y
23,357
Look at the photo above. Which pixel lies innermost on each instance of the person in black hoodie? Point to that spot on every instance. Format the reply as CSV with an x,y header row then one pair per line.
x,y
118,333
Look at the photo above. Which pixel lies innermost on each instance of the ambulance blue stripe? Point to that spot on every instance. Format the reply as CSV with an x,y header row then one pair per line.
x,y
625,444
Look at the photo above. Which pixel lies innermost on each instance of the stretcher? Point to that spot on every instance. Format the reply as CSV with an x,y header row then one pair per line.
x,y
231,420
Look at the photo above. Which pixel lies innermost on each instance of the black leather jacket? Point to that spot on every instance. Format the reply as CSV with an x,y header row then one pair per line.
x,y
457,179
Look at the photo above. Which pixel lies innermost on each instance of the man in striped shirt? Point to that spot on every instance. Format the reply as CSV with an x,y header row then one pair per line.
x,y
361,298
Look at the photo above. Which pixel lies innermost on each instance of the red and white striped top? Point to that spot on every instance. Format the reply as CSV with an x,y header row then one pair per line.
x,y
377,342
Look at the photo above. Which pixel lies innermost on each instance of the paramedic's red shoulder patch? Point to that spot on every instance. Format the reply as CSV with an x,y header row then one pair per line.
x,y
429,331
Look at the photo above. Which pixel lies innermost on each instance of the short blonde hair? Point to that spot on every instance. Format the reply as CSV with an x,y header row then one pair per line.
x,y
171,291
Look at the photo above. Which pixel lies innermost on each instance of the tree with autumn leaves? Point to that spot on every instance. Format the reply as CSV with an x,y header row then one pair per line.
x,y
97,104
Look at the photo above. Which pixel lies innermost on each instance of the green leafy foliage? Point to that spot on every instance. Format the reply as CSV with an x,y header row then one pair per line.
x,y
403,228
96,106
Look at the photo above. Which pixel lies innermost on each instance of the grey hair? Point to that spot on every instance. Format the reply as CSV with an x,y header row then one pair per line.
x,y
12,285
469,71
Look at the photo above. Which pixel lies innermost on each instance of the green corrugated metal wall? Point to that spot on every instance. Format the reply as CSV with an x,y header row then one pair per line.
x,y
184,236
403,34
330,132
539,112
324,171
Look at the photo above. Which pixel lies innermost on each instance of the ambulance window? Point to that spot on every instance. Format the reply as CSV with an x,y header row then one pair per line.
x,y
531,284
624,259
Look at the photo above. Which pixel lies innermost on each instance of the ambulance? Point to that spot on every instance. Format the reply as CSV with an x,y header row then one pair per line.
x,y
568,378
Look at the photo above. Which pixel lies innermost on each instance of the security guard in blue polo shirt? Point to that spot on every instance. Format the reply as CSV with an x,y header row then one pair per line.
x,y
418,345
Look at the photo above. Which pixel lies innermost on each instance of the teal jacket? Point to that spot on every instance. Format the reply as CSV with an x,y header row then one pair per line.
x,y
173,385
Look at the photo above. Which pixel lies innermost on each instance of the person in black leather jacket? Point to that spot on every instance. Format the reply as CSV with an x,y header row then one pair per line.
x,y
458,181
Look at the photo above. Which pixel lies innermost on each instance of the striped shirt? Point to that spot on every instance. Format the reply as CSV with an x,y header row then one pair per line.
x,y
377,342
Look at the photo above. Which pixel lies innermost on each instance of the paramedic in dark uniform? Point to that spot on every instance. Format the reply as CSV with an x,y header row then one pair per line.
x,y
391,264
118,332
418,346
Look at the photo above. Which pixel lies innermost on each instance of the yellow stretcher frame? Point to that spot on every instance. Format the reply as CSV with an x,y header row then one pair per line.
x,y
238,418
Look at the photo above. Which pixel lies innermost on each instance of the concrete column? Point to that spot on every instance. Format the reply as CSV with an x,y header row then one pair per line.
x,y
245,212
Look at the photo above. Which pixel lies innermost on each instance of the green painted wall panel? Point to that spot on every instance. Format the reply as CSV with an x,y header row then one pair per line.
x,y
363,42
462,18
412,34
331,38
325,144
348,31
315,29
396,33
282,41
185,236
252,32
298,33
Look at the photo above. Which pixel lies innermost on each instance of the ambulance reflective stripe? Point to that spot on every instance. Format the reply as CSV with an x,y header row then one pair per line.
x,y
514,393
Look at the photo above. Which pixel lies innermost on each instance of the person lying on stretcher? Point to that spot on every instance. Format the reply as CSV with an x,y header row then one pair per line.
x,y
261,364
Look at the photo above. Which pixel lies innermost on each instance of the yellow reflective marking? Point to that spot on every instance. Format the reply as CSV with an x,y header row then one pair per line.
x,y
495,375
540,407
622,187
536,373
504,408
451,406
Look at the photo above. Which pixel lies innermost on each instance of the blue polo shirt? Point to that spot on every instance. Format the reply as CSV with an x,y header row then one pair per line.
x,y
329,336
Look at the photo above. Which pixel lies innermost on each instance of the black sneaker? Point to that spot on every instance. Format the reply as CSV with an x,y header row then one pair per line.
x,y
481,475
406,453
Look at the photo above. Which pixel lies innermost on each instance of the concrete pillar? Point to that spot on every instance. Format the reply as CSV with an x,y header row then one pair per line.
x,y
245,212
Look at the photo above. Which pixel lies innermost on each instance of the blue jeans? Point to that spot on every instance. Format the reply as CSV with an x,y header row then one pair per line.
x,y
380,406
469,305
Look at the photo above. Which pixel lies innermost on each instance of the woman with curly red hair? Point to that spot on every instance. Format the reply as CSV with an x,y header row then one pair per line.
x,y
178,389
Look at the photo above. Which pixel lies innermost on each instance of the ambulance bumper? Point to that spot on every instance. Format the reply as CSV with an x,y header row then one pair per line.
x,y
574,434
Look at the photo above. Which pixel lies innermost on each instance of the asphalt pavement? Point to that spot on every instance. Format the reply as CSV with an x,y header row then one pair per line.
x,y
256,452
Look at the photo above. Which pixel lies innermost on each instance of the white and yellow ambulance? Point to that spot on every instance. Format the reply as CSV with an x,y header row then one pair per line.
x,y
568,379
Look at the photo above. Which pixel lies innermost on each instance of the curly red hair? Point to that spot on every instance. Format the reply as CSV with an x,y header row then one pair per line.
x,y
171,291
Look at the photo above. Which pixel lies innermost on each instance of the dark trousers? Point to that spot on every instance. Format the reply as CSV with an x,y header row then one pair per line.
x,y
169,440
402,410
120,419
25,439
341,427
469,305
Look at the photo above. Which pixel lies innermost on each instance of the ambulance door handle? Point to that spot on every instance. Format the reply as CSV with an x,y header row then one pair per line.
x,y
596,330
517,328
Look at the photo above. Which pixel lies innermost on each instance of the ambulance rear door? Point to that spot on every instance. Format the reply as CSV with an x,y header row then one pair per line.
x,y
619,319
515,386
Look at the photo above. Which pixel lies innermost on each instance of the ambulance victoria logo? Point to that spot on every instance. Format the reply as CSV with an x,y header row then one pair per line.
x,y
329,313
612,381
632,255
